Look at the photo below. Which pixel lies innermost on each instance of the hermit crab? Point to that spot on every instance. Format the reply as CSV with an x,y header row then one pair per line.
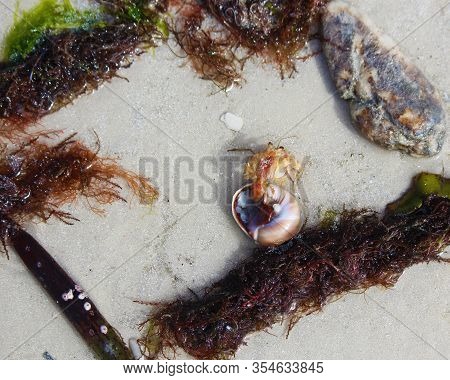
x,y
269,209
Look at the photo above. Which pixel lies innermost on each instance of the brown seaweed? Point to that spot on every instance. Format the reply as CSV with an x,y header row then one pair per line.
x,y
218,36
73,62
359,250
37,179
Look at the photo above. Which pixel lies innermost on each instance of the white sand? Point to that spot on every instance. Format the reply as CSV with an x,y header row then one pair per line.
x,y
138,253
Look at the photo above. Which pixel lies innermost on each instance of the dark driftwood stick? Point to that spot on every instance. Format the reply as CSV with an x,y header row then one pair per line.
x,y
100,336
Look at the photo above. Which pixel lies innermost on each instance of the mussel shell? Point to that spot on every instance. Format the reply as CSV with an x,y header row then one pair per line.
x,y
275,219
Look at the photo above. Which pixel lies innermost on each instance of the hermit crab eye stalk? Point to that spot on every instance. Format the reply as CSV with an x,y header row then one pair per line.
x,y
268,209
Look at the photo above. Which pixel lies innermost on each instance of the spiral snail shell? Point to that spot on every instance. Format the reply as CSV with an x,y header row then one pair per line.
x,y
271,221
268,209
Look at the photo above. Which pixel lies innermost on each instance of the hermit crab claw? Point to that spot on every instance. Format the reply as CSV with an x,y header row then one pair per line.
x,y
274,219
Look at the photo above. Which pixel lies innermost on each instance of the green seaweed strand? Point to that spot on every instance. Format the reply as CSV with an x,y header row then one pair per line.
x,y
424,185
48,16
136,11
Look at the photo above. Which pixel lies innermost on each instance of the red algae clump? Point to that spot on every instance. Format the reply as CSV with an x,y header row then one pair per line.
x,y
218,36
37,179
358,250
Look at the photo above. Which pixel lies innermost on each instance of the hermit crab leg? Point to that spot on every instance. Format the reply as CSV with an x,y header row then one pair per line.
x,y
100,336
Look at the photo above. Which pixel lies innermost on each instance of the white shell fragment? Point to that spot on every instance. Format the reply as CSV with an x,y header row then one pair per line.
x,y
232,121
134,348
391,101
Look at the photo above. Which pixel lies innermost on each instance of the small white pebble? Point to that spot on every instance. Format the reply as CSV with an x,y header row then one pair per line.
x,y
103,329
64,297
232,121
135,349
78,288
70,294
87,306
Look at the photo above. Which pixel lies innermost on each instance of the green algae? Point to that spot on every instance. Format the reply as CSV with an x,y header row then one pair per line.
x,y
137,12
329,218
53,16
134,12
70,52
161,26
48,16
424,185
